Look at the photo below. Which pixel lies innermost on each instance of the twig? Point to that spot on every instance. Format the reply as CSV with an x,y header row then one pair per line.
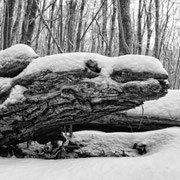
x,y
48,28
141,116
82,37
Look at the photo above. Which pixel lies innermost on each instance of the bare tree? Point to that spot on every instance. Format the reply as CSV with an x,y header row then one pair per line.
x,y
139,28
104,39
29,22
16,27
70,36
79,31
113,20
39,26
51,25
8,22
149,30
123,46
157,33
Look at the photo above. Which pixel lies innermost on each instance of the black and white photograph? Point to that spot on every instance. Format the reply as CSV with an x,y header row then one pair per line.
x,y
90,90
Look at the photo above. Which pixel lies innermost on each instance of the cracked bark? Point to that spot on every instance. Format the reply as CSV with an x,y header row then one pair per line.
x,y
56,99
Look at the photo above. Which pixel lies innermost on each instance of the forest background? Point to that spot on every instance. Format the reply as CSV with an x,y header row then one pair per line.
x,y
108,27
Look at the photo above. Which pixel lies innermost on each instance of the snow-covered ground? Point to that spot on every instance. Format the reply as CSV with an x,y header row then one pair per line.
x,y
167,107
162,161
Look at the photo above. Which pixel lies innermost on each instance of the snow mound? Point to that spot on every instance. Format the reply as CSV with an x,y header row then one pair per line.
x,y
21,51
5,83
167,107
163,164
16,95
140,63
75,61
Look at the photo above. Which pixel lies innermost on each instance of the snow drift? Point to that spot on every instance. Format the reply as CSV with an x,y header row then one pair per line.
x,y
162,161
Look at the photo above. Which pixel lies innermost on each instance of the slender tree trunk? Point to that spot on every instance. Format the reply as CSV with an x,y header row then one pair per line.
x,y
29,22
82,39
113,20
126,20
139,28
8,22
39,25
51,27
61,23
123,46
79,31
16,28
70,35
149,31
104,39
157,33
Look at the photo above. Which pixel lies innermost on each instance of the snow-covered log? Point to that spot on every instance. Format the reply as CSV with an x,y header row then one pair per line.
x,y
14,59
152,115
63,89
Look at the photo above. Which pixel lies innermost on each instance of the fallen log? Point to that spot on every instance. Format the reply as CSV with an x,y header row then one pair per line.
x,y
152,115
59,90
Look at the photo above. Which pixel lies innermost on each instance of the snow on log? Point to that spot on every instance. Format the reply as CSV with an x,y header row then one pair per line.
x,y
14,59
71,88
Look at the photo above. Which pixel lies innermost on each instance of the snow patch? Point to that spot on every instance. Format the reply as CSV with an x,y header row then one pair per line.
x,y
140,63
16,95
163,164
5,83
75,61
167,107
21,51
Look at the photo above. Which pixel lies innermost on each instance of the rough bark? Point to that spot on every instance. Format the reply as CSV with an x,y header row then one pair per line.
x,y
56,99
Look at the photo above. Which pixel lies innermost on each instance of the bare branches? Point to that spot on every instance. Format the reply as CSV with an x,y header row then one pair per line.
x,y
48,28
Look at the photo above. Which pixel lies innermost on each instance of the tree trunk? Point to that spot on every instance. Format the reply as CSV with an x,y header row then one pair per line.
x,y
78,41
8,23
39,26
113,19
52,100
29,22
51,26
104,45
70,30
121,122
149,30
139,28
157,32
16,28
123,46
